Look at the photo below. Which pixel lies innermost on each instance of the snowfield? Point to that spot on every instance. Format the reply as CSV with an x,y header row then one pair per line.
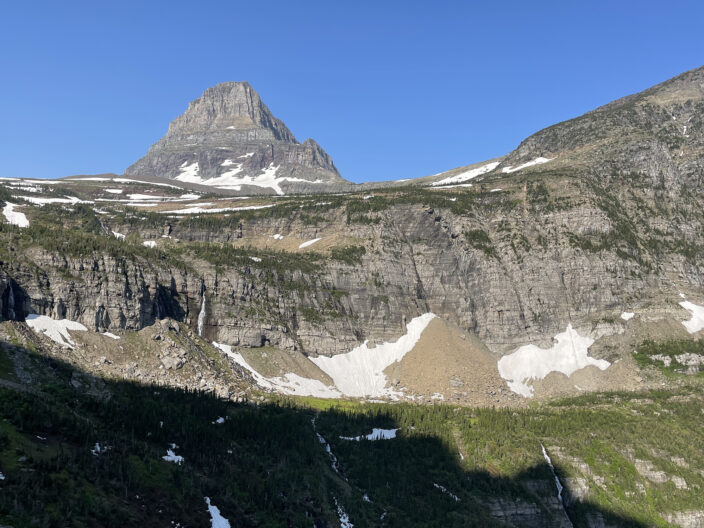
x,y
173,457
360,372
308,243
696,323
14,217
56,330
230,180
568,354
196,209
216,520
536,161
289,383
627,316
468,175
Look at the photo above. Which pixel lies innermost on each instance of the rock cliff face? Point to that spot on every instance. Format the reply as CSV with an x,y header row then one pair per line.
x,y
613,221
228,138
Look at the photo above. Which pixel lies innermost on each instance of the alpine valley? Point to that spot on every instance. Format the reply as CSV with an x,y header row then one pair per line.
x,y
231,334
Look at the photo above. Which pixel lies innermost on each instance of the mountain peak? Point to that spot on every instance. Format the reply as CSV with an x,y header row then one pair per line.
x,y
228,138
233,106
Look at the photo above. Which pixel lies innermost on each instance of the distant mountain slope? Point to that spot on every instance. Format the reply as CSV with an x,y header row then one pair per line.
x,y
657,133
229,139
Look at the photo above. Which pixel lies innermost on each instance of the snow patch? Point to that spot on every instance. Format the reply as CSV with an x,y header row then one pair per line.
x,y
468,175
344,518
376,434
289,383
568,354
627,316
56,330
149,243
277,236
173,457
360,372
216,520
114,191
197,209
14,217
100,450
119,236
256,259
308,243
696,323
536,161
111,335
189,173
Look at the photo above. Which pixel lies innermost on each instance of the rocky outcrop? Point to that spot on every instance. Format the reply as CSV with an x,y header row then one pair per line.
x,y
228,133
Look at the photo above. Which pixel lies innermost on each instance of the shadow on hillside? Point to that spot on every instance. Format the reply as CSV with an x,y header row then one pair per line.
x,y
74,459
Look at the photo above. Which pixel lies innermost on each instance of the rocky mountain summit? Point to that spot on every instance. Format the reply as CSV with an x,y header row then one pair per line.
x,y
229,139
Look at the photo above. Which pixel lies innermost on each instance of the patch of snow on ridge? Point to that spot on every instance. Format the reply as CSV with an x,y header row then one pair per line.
x,y
289,383
344,518
308,243
173,457
189,173
216,520
195,209
536,161
376,434
568,354
111,335
696,323
56,330
149,243
627,316
468,175
14,217
360,372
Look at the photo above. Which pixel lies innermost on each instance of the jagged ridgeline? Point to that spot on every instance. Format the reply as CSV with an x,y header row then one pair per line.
x,y
229,266
228,138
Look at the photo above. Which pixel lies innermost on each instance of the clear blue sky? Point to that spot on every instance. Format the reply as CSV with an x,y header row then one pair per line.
x,y
390,89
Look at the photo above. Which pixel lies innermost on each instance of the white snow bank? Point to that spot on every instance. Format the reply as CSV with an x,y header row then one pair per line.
x,y
536,161
14,217
230,180
111,335
149,243
627,316
495,190
198,210
567,355
360,372
256,259
278,236
173,457
119,236
696,323
189,173
289,383
308,243
344,518
468,175
114,191
99,450
189,196
65,200
56,330
216,520
376,434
